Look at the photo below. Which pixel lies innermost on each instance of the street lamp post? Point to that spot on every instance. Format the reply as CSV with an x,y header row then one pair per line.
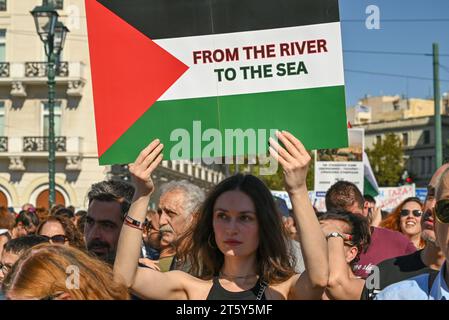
x,y
53,34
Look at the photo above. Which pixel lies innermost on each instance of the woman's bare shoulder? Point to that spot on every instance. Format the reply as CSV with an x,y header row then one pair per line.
x,y
280,291
196,288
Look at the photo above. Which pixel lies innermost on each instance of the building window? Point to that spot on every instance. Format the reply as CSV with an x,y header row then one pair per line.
x,y
2,5
3,200
2,118
2,45
423,165
405,139
429,165
426,137
378,139
46,117
58,4
42,199
396,105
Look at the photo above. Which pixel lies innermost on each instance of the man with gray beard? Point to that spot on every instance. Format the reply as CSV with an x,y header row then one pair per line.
x,y
178,203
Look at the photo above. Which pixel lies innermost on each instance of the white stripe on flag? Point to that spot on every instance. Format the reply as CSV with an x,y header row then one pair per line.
x,y
324,69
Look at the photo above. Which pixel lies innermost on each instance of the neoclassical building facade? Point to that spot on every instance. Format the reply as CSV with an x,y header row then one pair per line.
x,y
24,114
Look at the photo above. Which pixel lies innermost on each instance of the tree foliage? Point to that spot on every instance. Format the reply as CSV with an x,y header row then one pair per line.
x,y
274,181
387,160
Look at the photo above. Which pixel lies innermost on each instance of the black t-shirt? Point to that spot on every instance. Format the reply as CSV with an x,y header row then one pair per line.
x,y
395,270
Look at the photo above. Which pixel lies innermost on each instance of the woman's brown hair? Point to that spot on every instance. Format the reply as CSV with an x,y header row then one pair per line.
x,y
393,220
71,231
199,249
43,270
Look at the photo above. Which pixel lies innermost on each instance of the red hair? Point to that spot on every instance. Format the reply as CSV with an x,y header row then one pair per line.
x,y
393,220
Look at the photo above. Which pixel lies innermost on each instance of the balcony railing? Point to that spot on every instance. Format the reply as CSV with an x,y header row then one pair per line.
x,y
3,144
40,69
40,144
58,4
4,69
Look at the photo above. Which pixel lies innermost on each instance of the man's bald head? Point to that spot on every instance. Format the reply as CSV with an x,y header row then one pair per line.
x,y
427,222
442,187
433,182
442,229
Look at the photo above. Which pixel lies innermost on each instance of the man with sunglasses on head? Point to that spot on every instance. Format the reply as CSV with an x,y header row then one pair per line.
x,y
428,260
429,286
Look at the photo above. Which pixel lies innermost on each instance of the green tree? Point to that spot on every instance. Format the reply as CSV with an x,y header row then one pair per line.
x,y
274,181
387,161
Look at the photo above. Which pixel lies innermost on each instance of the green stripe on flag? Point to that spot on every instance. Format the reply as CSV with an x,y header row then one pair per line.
x,y
369,189
316,116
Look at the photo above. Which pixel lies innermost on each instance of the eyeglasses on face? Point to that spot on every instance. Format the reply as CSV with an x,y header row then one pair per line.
x,y
416,213
59,238
442,211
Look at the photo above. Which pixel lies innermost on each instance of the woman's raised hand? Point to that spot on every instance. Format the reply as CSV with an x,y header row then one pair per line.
x,y
294,159
141,170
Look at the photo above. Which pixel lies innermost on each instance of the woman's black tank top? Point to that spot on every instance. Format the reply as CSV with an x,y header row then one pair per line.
x,y
217,292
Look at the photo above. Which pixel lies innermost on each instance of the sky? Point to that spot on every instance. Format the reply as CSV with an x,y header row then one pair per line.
x,y
398,36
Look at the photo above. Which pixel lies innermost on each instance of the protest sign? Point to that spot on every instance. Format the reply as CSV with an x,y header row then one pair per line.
x,y
389,198
316,198
421,193
204,76
346,164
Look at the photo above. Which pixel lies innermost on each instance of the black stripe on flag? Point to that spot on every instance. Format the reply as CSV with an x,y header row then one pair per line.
x,y
164,19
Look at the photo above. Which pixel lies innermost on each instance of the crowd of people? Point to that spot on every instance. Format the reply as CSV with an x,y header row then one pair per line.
x,y
236,242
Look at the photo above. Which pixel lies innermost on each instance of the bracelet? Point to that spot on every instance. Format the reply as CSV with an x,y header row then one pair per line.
x,y
334,235
133,223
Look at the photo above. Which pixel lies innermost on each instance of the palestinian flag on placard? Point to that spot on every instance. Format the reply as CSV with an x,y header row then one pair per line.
x,y
370,185
154,70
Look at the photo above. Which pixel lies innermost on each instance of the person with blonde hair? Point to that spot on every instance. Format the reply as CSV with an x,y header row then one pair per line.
x,y
58,272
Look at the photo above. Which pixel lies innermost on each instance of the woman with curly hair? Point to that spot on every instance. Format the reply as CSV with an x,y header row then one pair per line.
x,y
406,218
59,272
60,229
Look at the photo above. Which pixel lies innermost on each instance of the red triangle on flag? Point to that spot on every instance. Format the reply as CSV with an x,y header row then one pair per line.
x,y
129,73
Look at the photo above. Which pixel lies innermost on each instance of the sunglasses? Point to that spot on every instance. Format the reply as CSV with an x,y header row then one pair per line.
x,y
416,213
59,238
442,211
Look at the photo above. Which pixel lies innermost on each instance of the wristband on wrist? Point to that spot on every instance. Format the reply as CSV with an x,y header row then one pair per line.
x,y
133,223
334,235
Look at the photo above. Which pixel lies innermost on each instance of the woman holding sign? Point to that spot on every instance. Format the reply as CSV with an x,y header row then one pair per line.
x,y
237,246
